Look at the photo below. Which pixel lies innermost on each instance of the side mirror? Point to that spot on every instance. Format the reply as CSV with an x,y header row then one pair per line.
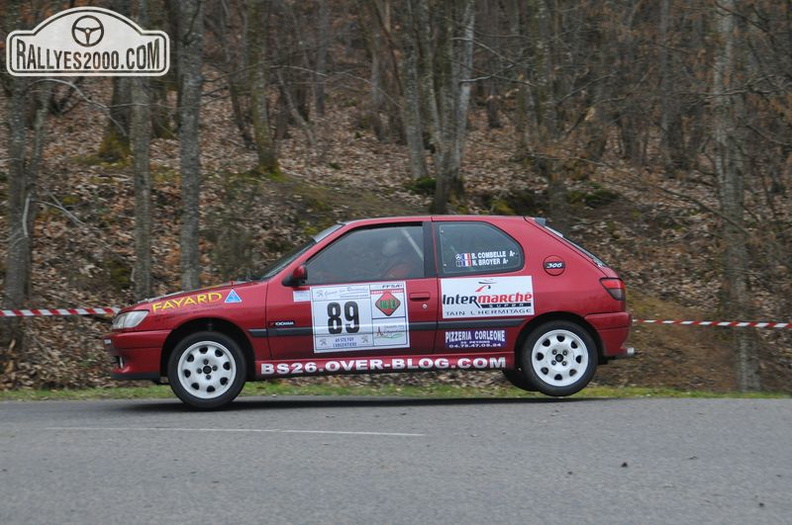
x,y
298,276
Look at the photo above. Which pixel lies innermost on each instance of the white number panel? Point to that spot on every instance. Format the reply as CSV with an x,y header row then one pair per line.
x,y
360,317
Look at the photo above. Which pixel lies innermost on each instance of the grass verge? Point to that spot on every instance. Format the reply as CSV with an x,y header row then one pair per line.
x,y
275,388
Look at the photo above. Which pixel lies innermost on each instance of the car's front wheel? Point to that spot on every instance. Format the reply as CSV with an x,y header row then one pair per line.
x,y
207,370
559,358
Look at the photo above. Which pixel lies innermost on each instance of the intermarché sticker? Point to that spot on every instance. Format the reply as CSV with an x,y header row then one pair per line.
x,y
87,41
487,297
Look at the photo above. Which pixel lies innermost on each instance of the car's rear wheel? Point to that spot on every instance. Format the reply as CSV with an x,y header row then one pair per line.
x,y
559,358
517,378
207,370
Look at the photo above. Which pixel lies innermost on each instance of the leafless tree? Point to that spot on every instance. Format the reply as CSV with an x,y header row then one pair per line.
x,y
191,27
442,37
140,139
258,35
728,112
25,150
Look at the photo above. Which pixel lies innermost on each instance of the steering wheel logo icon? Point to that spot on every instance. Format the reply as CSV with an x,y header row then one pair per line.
x,y
87,31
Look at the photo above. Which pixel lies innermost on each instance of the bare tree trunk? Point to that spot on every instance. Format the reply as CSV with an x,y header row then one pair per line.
x,y
115,141
422,29
162,118
257,40
525,122
547,150
629,111
672,141
191,26
321,56
292,109
382,114
493,105
729,168
452,68
592,128
411,100
21,192
299,78
140,140
443,78
491,90
461,80
23,173
377,89
235,62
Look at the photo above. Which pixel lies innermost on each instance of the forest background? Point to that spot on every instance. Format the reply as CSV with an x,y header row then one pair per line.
x,y
656,133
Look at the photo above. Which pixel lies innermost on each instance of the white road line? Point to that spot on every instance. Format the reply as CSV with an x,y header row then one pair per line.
x,y
236,430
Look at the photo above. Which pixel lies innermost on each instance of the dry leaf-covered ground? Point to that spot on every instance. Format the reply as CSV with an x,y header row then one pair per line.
x,y
665,247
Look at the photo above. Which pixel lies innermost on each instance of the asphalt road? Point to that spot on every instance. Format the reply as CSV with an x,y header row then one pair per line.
x,y
340,460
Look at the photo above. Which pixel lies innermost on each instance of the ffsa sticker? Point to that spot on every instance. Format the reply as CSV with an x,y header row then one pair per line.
x,y
360,317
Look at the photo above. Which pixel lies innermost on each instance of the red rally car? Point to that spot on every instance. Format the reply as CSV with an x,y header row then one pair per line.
x,y
389,295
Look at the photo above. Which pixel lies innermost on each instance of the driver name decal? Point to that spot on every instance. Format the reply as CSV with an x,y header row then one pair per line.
x,y
359,317
487,297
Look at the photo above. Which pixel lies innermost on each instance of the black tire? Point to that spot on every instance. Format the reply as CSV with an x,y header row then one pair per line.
x,y
559,358
207,370
518,379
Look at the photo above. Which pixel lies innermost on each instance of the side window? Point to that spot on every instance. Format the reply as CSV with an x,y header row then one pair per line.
x,y
468,248
392,253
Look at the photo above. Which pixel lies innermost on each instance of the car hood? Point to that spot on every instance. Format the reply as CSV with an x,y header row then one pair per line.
x,y
200,298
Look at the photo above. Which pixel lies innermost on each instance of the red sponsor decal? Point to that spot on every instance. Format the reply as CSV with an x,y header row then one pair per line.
x,y
190,300
386,364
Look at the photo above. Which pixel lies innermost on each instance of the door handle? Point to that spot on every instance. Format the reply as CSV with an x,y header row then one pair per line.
x,y
420,296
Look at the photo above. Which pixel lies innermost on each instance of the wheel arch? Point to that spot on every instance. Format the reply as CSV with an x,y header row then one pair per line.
x,y
558,316
208,324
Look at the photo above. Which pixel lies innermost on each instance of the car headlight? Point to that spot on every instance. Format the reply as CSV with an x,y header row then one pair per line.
x,y
129,319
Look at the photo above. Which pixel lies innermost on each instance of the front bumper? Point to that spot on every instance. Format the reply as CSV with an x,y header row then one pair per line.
x,y
137,355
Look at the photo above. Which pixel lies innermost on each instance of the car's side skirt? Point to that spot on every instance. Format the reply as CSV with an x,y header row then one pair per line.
x,y
383,364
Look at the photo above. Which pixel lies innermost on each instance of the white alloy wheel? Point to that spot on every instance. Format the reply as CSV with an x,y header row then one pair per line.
x,y
207,370
559,358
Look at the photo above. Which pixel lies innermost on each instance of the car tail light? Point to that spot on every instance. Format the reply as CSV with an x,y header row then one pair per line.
x,y
615,287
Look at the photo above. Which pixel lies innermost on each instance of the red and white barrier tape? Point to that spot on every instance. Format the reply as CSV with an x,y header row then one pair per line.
x,y
52,312
732,324
46,312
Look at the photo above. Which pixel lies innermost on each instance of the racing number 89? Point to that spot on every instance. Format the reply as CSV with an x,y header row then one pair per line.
x,y
335,325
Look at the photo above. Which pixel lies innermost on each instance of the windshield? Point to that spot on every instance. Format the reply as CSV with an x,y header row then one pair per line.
x,y
285,260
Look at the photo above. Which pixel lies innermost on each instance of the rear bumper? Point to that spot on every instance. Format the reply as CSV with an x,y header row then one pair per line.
x,y
137,355
628,351
613,330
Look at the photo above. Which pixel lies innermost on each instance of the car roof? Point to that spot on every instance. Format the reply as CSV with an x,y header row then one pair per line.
x,y
436,218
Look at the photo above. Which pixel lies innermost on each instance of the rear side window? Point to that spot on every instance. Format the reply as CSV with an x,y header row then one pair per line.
x,y
470,248
599,262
